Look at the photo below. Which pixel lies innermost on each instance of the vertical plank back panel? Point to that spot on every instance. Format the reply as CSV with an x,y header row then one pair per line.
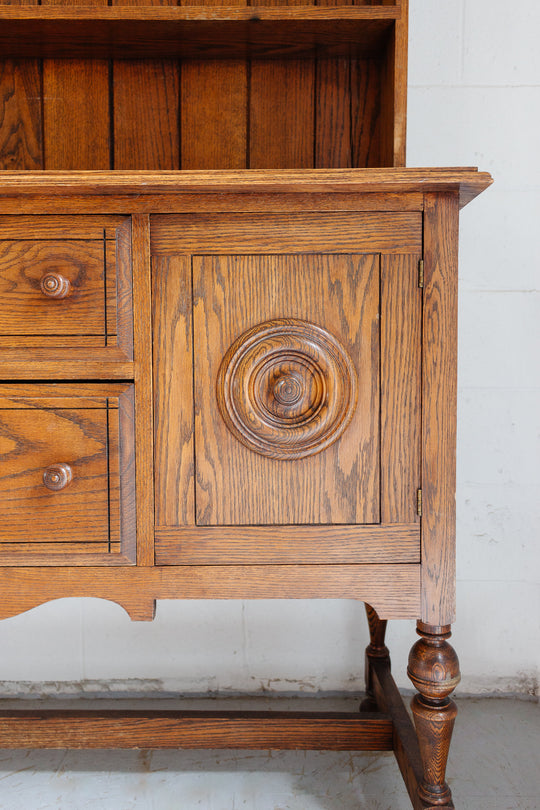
x,y
76,110
282,114
282,111
214,114
366,113
20,110
145,96
333,113
213,105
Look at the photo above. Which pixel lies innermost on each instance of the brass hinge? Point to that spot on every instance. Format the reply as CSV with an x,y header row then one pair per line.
x,y
419,502
421,273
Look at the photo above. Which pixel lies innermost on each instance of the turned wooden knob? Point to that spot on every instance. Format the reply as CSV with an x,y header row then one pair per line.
x,y
57,476
55,285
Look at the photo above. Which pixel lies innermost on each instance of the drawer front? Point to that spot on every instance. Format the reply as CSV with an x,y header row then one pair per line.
x,y
65,474
64,284
287,390
54,288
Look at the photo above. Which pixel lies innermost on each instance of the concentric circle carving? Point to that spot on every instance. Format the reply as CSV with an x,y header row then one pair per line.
x,y
286,389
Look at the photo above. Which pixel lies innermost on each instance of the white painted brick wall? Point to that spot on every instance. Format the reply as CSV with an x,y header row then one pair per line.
x,y
474,100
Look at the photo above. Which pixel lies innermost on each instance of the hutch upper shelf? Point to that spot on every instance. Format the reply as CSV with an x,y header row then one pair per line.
x,y
199,32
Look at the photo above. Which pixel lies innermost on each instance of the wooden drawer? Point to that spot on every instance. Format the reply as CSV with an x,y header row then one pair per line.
x,y
65,284
66,474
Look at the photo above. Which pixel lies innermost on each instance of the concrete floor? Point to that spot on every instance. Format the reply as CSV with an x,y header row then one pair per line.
x,y
494,765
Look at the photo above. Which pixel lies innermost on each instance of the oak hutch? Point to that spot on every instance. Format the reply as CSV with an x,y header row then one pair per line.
x,y
228,344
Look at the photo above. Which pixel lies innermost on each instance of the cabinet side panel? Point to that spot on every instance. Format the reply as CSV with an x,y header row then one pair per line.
x,y
236,485
401,319
439,387
173,387
394,94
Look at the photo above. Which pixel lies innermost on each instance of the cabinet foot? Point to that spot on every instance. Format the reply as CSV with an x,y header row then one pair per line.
x,y
375,651
434,670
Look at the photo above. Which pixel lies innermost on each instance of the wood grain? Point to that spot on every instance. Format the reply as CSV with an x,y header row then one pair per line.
x,y
145,108
93,514
146,101
76,114
333,114
50,364
282,114
122,288
267,234
271,545
214,132
320,731
123,464
142,350
97,312
197,203
393,590
230,32
54,187
401,324
232,294
366,113
41,227
30,440
405,743
173,391
434,670
439,394
27,310
282,110
20,115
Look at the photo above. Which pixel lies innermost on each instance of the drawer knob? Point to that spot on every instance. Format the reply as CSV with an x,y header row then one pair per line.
x,y
55,285
57,476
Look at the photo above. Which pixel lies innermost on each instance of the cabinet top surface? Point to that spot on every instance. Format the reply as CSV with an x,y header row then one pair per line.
x,y
468,182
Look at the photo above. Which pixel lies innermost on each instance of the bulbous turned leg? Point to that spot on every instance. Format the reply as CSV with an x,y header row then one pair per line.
x,y
375,650
434,670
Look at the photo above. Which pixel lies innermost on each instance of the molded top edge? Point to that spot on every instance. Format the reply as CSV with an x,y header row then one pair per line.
x,y
468,181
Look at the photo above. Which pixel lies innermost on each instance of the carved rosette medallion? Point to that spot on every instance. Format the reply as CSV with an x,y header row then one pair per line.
x,y
286,389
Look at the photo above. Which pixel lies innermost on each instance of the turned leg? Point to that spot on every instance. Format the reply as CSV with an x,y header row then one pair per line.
x,y
375,650
434,670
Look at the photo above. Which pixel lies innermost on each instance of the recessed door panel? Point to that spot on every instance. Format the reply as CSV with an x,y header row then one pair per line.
x,y
286,389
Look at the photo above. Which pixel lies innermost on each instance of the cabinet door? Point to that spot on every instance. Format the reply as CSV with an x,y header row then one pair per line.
x,y
286,388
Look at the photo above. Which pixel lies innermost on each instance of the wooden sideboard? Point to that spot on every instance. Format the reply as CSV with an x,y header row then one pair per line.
x,y
237,385
228,343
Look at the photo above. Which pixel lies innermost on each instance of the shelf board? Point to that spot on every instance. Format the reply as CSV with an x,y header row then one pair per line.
x,y
194,32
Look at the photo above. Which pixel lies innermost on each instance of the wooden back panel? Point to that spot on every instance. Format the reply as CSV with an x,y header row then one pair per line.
x,y
204,114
